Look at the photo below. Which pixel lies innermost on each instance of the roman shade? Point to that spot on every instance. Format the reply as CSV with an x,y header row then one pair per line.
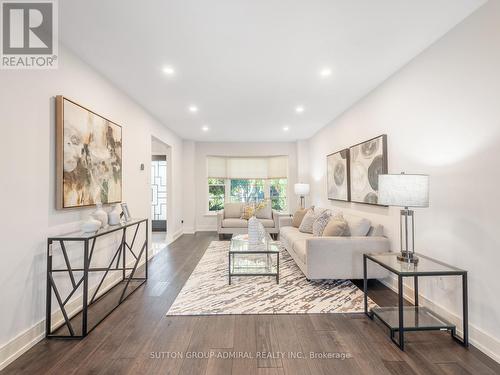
x,y
247,167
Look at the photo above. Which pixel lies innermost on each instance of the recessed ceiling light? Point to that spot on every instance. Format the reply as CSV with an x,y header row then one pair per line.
x,y
205,128
299,109
286,128
193,108
325,72
168,70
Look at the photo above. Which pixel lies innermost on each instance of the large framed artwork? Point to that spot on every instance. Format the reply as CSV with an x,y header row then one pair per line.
x,y
338,175
88,157
367,160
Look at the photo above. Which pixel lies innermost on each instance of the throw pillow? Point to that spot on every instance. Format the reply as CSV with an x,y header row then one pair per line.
x,y
321,222
306,226
232,210
358,226
336,227
248,211
265,211
298,216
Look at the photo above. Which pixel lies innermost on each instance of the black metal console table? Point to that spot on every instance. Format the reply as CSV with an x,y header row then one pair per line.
x,y
129,279
415,318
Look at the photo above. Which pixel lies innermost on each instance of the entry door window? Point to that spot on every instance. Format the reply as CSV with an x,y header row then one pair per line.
x,y
159,188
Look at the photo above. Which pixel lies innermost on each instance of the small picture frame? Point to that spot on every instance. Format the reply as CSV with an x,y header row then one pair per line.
x,y
126,212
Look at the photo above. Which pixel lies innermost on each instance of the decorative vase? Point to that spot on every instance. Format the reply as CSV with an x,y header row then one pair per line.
x,y
100,214
90,225
256,232
114,216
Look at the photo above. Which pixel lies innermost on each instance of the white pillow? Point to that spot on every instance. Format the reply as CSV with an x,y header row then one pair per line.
x,y
307,222
265,212
358,226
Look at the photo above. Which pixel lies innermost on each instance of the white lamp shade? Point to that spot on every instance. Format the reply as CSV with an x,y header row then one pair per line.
x,y
403,190
301,189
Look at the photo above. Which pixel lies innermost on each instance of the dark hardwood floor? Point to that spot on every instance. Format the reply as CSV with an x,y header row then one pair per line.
x,y
138,338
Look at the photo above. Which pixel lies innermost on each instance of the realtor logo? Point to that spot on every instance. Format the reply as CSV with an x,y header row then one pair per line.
x,y
29,34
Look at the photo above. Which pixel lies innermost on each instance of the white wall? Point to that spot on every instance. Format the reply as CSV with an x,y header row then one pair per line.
x,y
27,163
442,116
195,157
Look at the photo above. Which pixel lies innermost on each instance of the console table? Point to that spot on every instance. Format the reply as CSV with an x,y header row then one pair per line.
x,y
76,326
402,318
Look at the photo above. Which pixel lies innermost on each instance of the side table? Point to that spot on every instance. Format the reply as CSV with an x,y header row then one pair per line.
x,y
402,318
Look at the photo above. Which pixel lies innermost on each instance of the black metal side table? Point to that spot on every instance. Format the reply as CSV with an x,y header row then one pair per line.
x,y
402,318
79,276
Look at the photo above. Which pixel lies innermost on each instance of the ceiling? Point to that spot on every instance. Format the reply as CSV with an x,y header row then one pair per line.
x,y
247,64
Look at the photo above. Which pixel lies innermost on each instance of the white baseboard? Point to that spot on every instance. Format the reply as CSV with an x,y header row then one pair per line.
x,y
27,339
486,343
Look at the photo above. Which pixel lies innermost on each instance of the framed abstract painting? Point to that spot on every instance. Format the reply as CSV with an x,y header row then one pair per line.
x,y
367,160
88,157
338,175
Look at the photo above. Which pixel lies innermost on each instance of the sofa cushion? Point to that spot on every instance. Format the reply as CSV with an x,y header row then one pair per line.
x,y
321,222
265,212
336,227
234,223
232,210
298,216
307,222
358,226
267,223
291,234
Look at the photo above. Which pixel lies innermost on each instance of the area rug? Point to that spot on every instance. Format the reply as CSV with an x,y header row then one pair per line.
x,y
207,291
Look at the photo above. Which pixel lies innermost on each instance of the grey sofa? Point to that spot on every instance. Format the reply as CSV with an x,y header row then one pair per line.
x,y
333,257
229,220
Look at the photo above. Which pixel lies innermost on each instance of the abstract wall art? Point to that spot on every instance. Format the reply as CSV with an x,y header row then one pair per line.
x,y
367,160
89,157
338,175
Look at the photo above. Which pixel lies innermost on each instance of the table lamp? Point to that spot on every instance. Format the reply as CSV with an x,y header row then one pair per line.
x,y
302,190
405,190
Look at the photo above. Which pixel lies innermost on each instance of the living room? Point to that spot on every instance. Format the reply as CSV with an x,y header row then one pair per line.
x,y
250,188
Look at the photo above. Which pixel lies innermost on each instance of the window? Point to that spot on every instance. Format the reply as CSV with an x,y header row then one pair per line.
x,y
247,179
216,194
247,190
277,193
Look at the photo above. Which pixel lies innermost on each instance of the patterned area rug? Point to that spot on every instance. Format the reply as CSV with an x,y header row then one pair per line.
x,y
207,291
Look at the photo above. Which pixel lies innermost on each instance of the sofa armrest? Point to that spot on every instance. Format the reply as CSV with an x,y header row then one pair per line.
x,y
276,218
220,217
341,256
285,221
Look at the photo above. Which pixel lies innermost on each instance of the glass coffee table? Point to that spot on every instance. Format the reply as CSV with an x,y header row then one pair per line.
x,y
401,318
262,259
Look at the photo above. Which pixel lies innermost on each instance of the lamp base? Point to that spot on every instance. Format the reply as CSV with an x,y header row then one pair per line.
x,y
408,257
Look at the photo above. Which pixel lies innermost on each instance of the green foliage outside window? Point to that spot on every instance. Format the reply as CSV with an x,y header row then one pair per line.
x,y
216,194
278,189
247,190
243,190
